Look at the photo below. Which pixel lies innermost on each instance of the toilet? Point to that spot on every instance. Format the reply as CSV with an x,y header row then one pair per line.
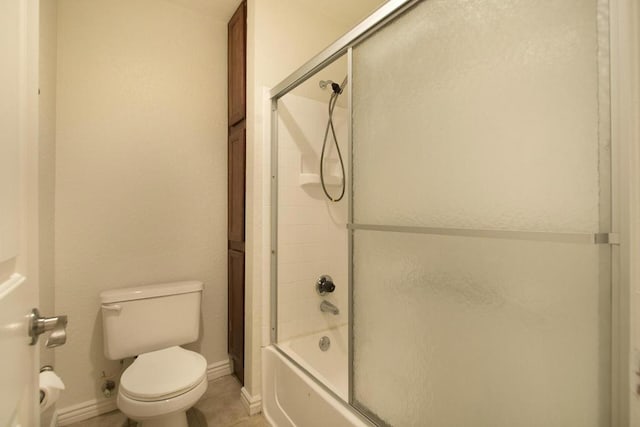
x,y
151,322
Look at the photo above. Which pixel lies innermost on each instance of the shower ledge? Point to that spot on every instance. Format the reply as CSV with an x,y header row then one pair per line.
x,y
314,179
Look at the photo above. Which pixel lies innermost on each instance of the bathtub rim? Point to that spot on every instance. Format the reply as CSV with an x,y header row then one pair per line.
x,y
361,416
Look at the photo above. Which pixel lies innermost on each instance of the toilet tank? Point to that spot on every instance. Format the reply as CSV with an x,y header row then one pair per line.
x,y
141,319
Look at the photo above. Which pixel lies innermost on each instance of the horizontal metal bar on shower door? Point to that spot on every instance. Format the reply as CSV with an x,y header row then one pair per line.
x,y
378,18
540,236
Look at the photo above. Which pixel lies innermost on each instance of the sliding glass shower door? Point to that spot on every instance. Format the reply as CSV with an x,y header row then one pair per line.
x,y
481,200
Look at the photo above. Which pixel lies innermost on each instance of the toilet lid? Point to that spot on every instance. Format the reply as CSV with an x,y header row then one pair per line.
x,y
163,374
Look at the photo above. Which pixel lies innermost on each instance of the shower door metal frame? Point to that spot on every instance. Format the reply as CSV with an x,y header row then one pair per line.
x,y
344,46
378,19
625,137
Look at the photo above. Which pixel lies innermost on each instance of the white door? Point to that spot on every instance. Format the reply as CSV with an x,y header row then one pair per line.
x,y
19,396
18,370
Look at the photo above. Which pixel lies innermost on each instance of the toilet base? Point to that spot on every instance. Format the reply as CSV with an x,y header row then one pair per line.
x,y
176,419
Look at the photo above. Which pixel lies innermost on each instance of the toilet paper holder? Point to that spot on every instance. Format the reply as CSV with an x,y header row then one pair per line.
x,y
38,325
51,386
45,368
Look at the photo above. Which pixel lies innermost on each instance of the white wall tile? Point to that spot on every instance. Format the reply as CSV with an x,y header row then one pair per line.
x,y
312,234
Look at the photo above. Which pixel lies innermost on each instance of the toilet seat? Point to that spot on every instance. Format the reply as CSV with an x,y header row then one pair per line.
x,y
163,374
143,411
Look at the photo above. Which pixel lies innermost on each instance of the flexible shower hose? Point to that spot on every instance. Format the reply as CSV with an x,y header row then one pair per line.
x,y
332,104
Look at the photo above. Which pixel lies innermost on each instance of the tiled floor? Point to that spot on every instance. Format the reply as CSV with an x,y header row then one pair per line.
x,y
219,407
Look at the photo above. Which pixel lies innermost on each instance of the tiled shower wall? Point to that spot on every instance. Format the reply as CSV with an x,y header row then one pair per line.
x,y
312,234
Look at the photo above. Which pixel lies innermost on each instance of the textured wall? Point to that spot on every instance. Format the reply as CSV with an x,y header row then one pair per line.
x,y
141,169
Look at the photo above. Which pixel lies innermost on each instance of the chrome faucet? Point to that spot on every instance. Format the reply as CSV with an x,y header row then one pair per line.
x,y
325,285
327,307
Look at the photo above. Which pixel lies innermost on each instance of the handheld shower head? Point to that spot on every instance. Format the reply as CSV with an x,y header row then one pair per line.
x,y
325,83
337,88
337,91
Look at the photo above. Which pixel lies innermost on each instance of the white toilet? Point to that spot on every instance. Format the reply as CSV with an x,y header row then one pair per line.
x,y
151,322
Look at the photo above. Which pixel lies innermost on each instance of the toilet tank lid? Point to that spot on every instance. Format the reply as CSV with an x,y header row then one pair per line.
x,y
150,291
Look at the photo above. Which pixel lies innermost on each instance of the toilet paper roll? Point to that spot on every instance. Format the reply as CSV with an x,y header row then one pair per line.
x,y
50,387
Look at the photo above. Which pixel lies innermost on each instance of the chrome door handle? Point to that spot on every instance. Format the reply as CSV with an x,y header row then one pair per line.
x,y
38,325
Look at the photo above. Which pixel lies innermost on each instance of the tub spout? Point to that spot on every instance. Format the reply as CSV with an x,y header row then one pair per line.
x,y
327,307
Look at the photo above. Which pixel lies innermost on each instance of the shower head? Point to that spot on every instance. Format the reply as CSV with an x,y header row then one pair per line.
x,y
325,83
337,89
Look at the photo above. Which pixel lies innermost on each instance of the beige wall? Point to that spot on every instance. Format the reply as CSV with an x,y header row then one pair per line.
x,y
282,35
46,167
140,169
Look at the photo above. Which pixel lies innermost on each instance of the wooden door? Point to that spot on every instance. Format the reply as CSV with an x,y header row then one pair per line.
x,y
236,312
236,175
236,196
237,60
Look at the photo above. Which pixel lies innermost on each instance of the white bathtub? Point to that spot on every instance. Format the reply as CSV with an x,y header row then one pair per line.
x,y
330,367
292,399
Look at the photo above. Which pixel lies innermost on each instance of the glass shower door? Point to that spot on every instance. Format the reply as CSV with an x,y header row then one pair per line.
x,y
481,269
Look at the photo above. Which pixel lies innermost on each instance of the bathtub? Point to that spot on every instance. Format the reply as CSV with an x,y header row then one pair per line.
x,y
330,367
291,398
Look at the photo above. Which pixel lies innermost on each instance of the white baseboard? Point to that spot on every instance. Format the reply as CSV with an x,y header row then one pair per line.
x,y
85,410
219,369
252,404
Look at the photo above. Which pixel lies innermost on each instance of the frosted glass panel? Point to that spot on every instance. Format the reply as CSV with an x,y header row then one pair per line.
x,y
456,331
482,114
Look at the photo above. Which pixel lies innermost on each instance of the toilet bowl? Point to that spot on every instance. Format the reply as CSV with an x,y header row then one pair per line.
x,y
151,322
159,387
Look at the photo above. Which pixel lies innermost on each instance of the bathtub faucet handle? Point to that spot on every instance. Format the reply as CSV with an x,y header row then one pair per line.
x,y
325,285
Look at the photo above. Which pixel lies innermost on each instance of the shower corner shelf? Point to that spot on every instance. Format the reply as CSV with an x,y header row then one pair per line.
x,y
314,179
